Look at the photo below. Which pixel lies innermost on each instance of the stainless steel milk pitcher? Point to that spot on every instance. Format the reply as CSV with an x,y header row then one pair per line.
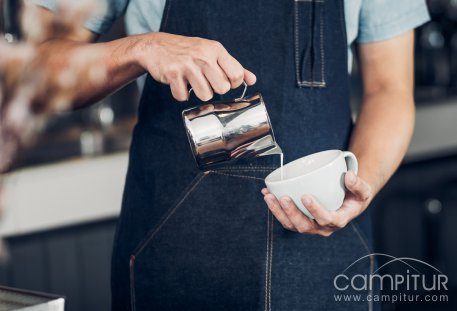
x,y
222,132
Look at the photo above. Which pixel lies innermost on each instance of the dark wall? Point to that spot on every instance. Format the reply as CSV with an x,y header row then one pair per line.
x,y
74,262
415,216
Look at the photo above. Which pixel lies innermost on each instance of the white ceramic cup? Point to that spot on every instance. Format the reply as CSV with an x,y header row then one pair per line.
x,y
320,175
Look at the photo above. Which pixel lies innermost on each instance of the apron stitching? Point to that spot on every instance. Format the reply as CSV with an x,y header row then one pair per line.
x,y
236,175
321,83
356,230
247,168
243,170
297,60
322,47
266,261
370,303
132,283
170,213
271,259
143,245
312,84
311,17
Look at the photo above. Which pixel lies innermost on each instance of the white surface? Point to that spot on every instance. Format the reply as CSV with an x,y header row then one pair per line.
x,y
318,174
55,305
62,194
18,299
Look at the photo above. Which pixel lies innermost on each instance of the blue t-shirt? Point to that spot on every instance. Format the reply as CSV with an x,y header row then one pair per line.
x,y
366,20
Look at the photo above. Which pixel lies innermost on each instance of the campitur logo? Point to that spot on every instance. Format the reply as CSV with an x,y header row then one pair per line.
x,y
418,281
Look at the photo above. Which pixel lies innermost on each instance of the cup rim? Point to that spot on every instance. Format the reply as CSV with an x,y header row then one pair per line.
x,y
268,178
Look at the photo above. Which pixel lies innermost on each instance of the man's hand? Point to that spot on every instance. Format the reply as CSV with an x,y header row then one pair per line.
x,y
180,61
325,222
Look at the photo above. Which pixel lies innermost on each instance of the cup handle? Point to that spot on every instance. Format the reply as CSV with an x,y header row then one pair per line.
x,y
351,161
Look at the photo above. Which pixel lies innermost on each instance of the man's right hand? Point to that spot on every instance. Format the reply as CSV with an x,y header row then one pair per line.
x,y
181,61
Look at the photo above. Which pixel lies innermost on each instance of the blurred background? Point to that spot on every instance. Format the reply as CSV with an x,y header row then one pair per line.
x,y
64,196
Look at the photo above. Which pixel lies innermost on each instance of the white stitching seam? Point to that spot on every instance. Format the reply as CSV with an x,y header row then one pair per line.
x,y
297,59
267,261
132,282
269,256
151,235
322,46
246,168
311,19
170,213
236,175
356,230
271,259
311,84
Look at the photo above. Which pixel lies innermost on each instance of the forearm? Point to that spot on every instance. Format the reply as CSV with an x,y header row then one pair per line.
x,y
382,134
118,59
174,60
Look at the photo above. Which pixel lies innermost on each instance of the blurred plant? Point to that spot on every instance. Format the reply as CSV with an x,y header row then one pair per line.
x,y
29,93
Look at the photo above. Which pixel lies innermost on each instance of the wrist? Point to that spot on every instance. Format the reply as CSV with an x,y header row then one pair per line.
x,y
128,55
142,49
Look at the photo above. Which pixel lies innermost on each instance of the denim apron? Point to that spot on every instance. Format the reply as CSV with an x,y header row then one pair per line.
x,y
193,240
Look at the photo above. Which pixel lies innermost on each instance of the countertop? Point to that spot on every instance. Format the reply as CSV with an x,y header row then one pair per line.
x,y
90,189
435,133
62,194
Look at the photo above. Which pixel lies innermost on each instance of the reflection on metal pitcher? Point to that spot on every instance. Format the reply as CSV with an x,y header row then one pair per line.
x,y
226,131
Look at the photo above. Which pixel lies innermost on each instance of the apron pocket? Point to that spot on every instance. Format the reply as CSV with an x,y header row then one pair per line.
x,y
209,250
309,32
305,267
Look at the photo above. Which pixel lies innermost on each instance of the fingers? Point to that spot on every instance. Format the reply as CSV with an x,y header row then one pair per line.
x,y
217,79
300,222
357,186
277,211
249,77
322,216
349,212
331,221
292,218
178,88
204,64
200,84
232,69
327,220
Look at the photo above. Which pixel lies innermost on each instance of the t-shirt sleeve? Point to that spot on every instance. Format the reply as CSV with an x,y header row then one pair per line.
x,y
385,19
99,24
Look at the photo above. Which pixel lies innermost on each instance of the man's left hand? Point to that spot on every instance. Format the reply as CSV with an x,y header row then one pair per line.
x,y
325,222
